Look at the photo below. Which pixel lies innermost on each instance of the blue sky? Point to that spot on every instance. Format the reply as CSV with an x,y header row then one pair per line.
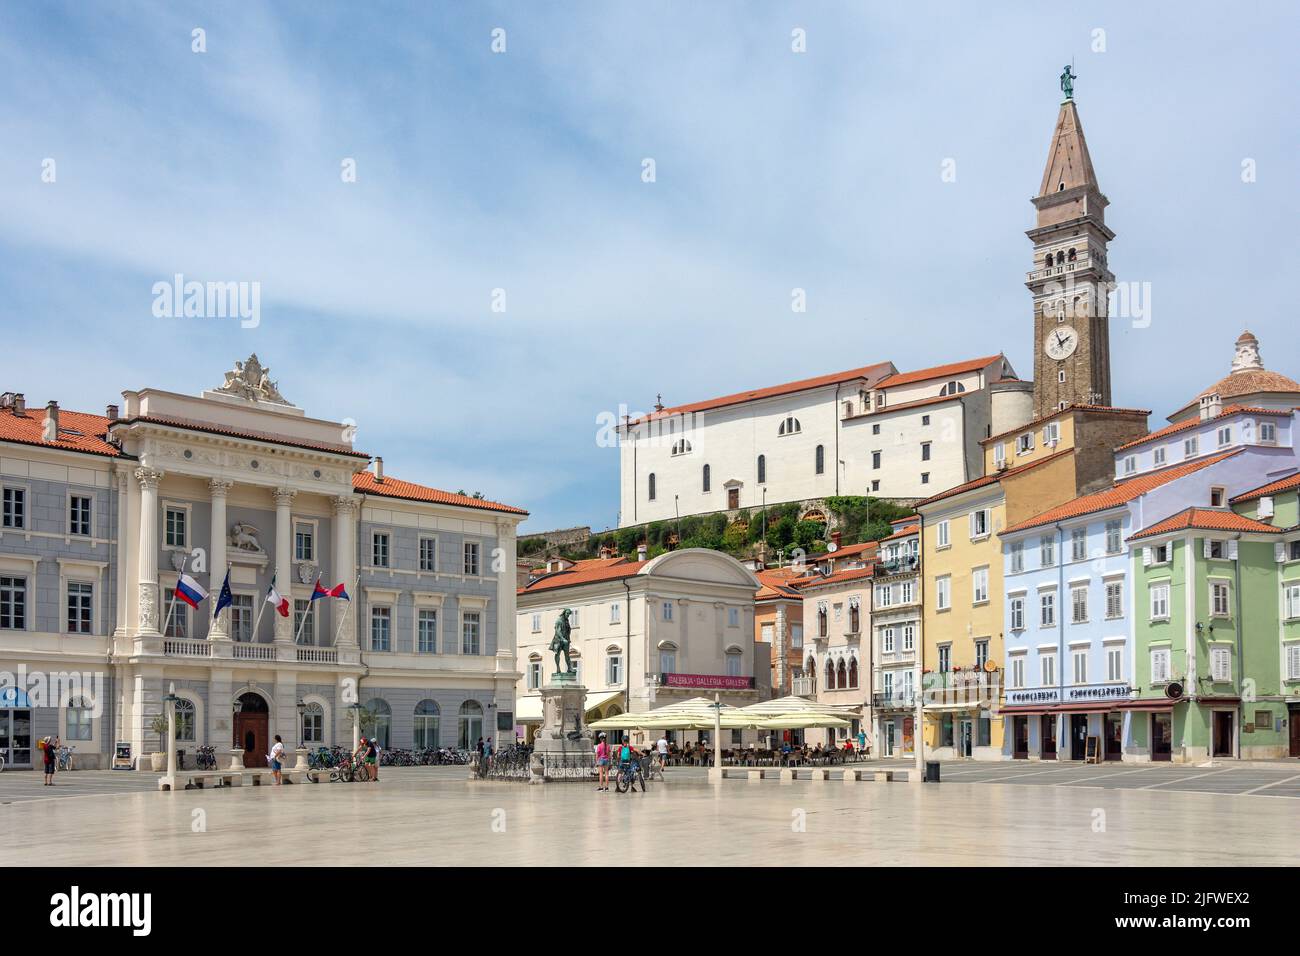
x,y
522,171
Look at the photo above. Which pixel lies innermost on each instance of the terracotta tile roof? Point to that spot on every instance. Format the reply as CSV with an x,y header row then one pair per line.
x,y
872,373
599,569
939,371
839,577
1118,495
1290,483
364,482
268,437
902,532
778,583
1193,422
994,477
1092,409
1205,519
78,431
1247,382
845,551
932,400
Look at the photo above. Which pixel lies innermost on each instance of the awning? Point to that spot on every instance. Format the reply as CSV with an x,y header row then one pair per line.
x,y
528,710
1153,705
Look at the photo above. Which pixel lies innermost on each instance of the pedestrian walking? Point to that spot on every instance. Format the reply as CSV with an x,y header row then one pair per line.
x,y
276,760
602,764
51,755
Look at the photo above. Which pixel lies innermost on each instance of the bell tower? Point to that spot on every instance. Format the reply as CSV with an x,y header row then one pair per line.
x,y
1070,279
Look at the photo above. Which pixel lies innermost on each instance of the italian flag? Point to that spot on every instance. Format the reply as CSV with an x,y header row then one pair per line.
x,y
274,597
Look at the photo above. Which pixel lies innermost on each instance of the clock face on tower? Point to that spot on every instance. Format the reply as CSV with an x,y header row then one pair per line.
x,y
1061,342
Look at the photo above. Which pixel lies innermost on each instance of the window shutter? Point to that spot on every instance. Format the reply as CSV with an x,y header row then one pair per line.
x,y
1206,543
972,524
1279,551
1146,557
1232,550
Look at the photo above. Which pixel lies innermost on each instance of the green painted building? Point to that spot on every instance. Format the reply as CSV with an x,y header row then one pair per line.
x,y
1217,629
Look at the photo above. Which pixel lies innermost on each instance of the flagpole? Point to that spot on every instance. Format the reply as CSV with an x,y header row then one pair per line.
x,y
356,587
171,605
303,622
257,622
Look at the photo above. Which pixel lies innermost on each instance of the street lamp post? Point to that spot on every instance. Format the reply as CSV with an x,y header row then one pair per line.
x,y
169,700
236,748
302,726
356,725
715,774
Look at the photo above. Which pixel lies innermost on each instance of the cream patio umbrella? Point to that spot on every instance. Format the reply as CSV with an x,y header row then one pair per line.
x,y
801,721
785,706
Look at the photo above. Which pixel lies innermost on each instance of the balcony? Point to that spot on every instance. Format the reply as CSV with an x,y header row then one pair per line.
x,y
903,565
1080,261
801,686
177,647
895,700
318,655
254,652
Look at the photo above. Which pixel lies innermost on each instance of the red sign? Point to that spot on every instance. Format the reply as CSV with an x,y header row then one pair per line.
x,y
710,681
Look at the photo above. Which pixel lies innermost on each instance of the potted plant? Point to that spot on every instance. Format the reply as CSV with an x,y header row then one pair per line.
x,y
158,759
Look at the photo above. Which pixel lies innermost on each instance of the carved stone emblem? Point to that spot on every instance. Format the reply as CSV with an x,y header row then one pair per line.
x,y
306,572
251,379
243,537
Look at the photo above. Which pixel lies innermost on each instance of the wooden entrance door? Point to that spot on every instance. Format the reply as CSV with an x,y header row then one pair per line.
x,y
1162,736
1078,736
1293,721
1114,724
733,499
252,729
1020,727
1048,732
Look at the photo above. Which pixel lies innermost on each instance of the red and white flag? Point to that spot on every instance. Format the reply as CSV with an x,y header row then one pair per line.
x,y
274,597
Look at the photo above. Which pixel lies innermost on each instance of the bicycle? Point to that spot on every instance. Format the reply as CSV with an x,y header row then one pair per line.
x,y
65,758
628,775
656,768
205,757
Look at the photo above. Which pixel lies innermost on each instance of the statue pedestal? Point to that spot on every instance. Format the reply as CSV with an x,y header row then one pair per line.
x,y
563,748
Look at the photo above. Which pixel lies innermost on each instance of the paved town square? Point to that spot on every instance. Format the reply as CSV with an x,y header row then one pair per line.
x,y
433,816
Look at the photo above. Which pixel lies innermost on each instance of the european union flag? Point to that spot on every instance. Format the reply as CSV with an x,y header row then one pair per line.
x,y
225,599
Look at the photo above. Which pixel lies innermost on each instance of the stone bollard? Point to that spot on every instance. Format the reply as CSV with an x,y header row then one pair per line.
x,y
237,758
789,776
301,763
755,776
850,776
819,775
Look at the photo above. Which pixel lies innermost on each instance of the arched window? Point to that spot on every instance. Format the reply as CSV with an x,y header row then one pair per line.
x,y
789,427
1060,258
853,674
830,676
1072,256
706,477
681,447
762,469
652,486
383,731
821,459
426,724
821,622
184,719
734,663
848,409
952,388
469,724
842,680
313,724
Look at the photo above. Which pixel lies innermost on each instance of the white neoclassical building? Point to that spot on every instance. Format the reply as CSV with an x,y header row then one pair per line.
x,y
644,633
102,512
867,431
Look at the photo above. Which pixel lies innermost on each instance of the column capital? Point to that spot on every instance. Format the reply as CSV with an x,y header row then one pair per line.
x,y
148,478
344,504
219,487
284,496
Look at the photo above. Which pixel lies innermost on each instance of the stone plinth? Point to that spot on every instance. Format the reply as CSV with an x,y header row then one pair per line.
x,y
563,748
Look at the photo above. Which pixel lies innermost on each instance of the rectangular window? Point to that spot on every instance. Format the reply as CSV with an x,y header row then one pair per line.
x,y
1114,599
537,623
668,610
883,594
534,675
945,658
1079,664
1267,433
615,613
471,557
1047,609
80,721
1017,614
796,636
1220,664
925,477
1017,557
1220,595
304,620
981,654
1292,595
1293,661
1079,544
428,554
79,515
174,535
1018,671
925,451
427,631
1130,465
1192,447
1159,665
471,624
1160,602
304,542
1158,456
80,608
241,617
1025,443
733,617
613,670
1225,435
1000,454
1047,669
15,508
176,621
1079,605
980,586
1114,542
1293,551
887,640
979,524
909,592
1046,551
381,629
942,592
667,661
1114,663
942,534
379,550
875,459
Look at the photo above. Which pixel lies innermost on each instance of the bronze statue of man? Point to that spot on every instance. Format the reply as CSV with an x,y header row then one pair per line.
x,y
560,643
1067,83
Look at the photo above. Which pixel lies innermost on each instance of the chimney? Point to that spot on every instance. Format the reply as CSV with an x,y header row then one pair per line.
x,y
641,551
20,403
110,412
835,538
51,432
1211,406
379,471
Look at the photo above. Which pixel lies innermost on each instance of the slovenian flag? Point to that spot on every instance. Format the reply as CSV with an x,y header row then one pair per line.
x,y
337,591
274,598
190,591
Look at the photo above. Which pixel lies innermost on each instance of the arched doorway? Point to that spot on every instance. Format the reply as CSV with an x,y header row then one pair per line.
x,y
252,729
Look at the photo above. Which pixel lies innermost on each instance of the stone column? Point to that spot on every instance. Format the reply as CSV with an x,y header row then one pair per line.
x,y
779,644
217,489
122,482
507,664
284,559
345,551
147,623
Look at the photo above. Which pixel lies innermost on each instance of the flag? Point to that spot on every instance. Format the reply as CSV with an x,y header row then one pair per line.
x,y
190,591
278,601
225,598
338,591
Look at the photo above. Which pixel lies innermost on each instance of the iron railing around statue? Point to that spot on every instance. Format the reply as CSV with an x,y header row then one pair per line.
x,y
508,765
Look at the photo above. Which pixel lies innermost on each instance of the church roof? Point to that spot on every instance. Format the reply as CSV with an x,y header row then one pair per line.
x,y
1248,376
1068,162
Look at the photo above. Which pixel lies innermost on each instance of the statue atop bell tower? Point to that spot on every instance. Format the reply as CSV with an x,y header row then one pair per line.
x,y
1070,279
